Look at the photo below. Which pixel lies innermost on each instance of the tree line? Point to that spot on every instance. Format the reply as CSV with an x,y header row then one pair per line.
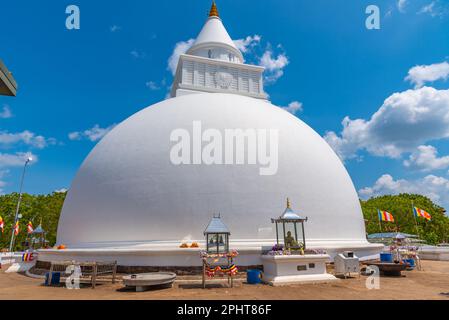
x,y
38,209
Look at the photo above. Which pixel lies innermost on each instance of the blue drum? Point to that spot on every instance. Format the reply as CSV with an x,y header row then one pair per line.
x,y
254,276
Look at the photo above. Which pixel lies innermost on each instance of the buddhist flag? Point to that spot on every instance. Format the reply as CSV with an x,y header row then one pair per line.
x,y
16,228
421,213
385,216
30,228
2,224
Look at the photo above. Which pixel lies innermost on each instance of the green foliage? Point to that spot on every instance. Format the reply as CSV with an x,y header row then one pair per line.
x,y
34,208
434,232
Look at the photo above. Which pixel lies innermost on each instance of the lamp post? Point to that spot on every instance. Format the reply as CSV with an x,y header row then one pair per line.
x,y
28,160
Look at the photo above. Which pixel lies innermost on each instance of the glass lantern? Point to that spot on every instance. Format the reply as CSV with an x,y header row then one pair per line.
x,y
217,237
290,230
217,243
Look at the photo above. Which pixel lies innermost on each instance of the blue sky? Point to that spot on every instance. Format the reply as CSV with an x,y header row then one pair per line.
x,y
76,84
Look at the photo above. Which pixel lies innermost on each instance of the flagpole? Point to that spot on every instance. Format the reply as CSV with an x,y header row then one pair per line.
x,y
416,221
11,245
380,222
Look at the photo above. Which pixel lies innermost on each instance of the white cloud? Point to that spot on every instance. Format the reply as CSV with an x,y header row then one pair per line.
x,y
180,48
274,65
93,134
420,75
114,28
26,137
3,173
152,85
8,160
62,190
137,54
246,43
6,112
405,121
426,159
96,133
429,8
433,10
434,187
401,5
294,107
389,12
75,135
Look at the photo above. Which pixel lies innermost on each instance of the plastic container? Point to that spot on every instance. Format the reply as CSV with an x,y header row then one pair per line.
x,y
55,278
254,276
410,263
386,257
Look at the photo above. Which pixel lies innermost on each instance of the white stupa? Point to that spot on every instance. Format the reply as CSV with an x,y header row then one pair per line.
x,y
137,197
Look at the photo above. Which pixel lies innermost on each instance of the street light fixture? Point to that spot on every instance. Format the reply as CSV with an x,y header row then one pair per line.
x,y
16,217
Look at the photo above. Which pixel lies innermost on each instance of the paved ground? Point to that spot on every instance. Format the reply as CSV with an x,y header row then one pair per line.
x,y
426,284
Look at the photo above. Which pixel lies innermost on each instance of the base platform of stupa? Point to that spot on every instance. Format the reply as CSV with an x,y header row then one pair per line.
x,y
169,254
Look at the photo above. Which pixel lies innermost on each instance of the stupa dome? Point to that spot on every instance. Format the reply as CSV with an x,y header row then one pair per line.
x,y
129,190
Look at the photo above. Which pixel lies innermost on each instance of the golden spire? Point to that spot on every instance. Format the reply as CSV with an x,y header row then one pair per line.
x,y
213,10
289,206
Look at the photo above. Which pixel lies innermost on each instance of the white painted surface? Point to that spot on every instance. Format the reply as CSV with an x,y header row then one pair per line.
x,y
8,258
346,265
434,253
198,74
283,270
215,37
215,64
168,254
20,267
128,193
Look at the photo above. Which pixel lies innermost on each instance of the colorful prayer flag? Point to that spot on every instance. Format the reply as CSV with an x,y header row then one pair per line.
x,y
16,228
30,228
421,213
27,257
385,216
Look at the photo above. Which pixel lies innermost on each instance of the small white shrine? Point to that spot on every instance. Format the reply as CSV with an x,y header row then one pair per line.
x,y
288,262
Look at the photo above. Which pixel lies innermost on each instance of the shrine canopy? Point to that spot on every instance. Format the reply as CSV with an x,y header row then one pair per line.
x,y
39,230
289,216
217,236
216,226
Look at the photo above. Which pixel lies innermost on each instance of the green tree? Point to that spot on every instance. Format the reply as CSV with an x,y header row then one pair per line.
x,y
434,232
38,209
